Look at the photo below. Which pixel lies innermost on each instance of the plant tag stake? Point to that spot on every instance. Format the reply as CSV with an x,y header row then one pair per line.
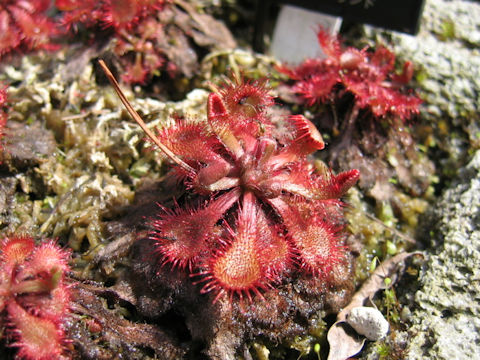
x,y
295,34
397,15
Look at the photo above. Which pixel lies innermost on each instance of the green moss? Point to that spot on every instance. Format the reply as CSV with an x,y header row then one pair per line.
x,y
261,351
447,30
383,350
421,76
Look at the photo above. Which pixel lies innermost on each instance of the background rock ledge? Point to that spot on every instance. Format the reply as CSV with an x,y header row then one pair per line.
x,y
446,320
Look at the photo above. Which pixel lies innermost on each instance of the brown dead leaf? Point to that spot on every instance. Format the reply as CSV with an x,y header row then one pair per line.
x,y
343,340
185,29
206,30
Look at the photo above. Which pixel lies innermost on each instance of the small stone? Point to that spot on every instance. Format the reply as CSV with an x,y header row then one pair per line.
x,y
369,322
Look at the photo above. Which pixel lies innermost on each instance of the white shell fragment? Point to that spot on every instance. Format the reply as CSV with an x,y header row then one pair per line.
x,y
369,322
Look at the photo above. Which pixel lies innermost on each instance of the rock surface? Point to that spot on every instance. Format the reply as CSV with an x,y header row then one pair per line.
x,y
447,316
447,50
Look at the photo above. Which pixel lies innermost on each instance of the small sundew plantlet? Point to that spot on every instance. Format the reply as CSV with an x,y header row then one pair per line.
x,y
262,210
133,24
119,14
369,75
34,297
24,26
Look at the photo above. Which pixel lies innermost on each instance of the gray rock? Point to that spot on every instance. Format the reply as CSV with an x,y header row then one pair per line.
x,y
369,322
446,320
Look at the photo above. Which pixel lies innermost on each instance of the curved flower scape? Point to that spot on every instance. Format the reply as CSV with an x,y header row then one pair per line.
x,y
370,76
34,297
3,113
263,209
24,26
